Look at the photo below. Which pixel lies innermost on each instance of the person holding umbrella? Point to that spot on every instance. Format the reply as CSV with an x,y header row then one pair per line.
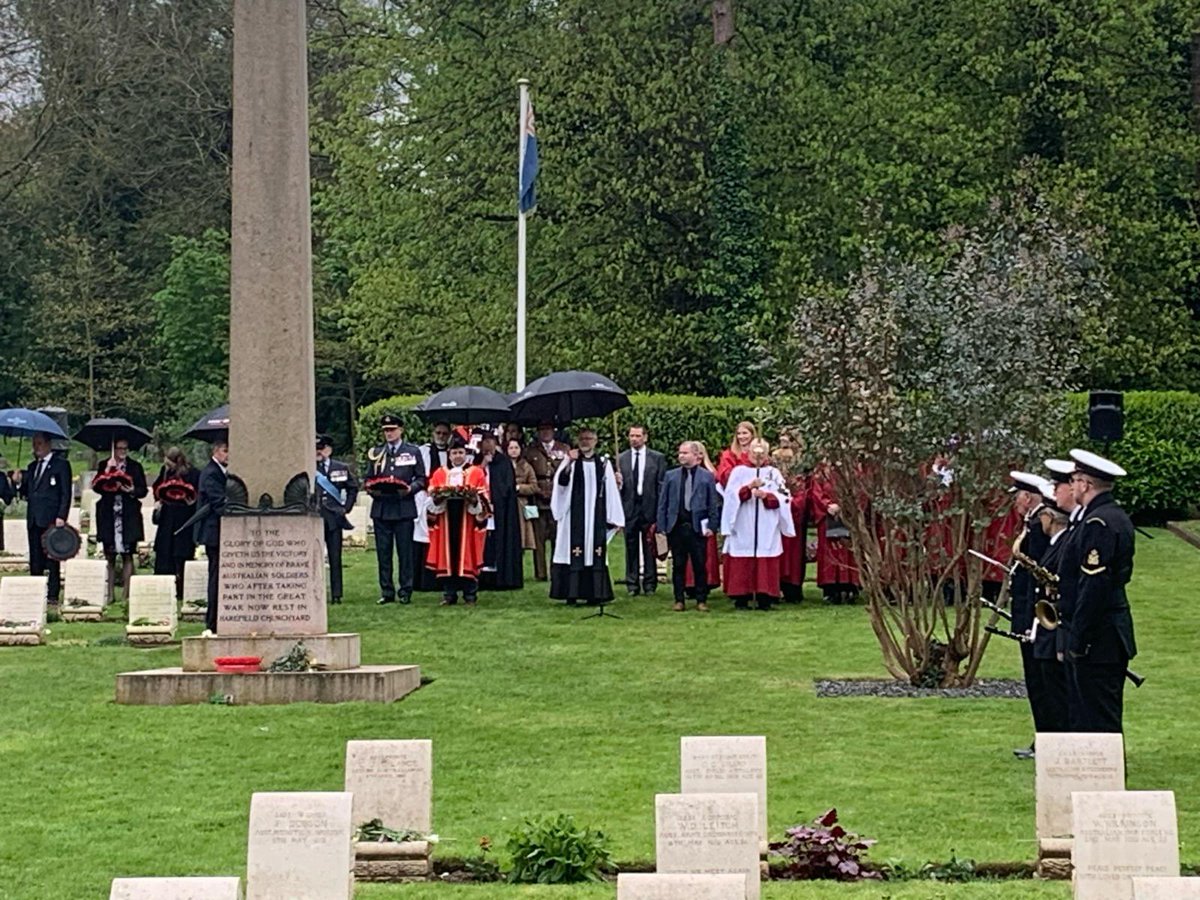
x,y
121,485
46,487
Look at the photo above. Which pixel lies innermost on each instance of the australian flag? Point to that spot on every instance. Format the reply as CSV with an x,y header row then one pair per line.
x,y
526,196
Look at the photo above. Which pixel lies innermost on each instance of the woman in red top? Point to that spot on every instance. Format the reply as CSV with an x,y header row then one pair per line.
x,y
837,569
738,453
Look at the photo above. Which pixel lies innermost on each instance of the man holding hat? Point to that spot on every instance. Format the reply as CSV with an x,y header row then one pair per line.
x,y
338,489
395,476
46,487
1096,624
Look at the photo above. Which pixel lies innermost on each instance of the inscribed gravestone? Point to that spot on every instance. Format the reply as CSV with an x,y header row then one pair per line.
x,y
16,537
23,601
300,847
726,765
661,886
195,581
272,576
1071,762
391,781
708,834
152,597
85,582
1119,835
1166,888
176,889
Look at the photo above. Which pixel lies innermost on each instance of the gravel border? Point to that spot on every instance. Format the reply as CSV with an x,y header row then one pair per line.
x,y
1004,688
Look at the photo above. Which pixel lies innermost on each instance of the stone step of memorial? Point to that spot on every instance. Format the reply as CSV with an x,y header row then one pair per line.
x,y
175,687
328,651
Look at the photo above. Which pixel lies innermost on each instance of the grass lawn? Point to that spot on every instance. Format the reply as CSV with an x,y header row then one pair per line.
x,y
533,711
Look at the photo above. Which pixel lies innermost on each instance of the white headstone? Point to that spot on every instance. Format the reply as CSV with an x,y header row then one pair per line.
x,y
1166,888
73,515
23,603
1068,762
726,765
152,597
391,781
195,580
176,889
1120,835
85,580
16,537
658,886
300,847
359,517
88,498
708,834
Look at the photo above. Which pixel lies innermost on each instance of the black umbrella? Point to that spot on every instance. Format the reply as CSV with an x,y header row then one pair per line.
x,y
563,397
467,405
212,427
101,434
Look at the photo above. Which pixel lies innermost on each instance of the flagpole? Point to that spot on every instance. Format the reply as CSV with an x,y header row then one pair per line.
x,y
523,86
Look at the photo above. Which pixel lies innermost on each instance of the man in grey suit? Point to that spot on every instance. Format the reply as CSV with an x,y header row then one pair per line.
x,y
641,473
688,512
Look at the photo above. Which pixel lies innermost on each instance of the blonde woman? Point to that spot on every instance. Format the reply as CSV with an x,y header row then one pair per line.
x,y
738,453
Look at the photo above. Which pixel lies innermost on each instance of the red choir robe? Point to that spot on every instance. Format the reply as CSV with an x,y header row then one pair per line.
x,y
754,529
999,536
727,462
456,535
835,558
792,565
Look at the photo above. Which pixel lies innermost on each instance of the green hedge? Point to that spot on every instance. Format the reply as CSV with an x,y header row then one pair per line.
x,y
1161,447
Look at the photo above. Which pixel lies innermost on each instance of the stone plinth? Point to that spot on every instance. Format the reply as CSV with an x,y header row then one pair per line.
x,y
194,888
175,687
404,861
328,651
272,576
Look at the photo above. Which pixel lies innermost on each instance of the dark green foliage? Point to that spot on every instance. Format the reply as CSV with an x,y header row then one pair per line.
x,y
554,850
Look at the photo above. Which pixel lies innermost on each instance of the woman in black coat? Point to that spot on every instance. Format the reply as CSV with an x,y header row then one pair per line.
x,y
502,555
175,491
121,484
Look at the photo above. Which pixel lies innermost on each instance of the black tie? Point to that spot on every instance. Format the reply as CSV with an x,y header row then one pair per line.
x,y
637,454
687,491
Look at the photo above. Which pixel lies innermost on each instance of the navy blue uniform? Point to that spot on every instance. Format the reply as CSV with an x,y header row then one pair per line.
x,y
333,516
393,514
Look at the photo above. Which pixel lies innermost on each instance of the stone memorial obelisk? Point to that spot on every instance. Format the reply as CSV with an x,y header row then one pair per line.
x,y
271,568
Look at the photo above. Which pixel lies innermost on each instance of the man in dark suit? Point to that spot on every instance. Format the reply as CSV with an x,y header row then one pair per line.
x,y
46,487
396,475
7,494
1093,572
338,489
688,512
641,472
208,529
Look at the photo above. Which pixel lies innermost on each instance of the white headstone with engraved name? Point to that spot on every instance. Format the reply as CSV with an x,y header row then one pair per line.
x,y
195,586
1120,835
726,765
708,834
391,781
190,888
85,583
659,886
300,847
1166,888
152,604
1068,762
23,606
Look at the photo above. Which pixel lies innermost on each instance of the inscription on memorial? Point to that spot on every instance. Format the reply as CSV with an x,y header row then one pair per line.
x,y
708,834
391,781
1073,762
271,576
726,765
300,847
1121,834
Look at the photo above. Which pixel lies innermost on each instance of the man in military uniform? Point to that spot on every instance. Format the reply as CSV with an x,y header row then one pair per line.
x,y
337,489
1054,523
396,474
1094,568
1031,542
545,455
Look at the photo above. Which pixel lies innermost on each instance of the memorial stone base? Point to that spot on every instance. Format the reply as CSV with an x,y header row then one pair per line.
x,y
406,861
272,589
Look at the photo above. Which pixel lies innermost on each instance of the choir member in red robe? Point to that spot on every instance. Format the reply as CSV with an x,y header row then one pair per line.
x,y
754,520
792,566
738,453
837,569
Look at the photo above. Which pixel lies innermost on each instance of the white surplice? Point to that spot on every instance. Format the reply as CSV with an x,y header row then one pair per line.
x,y
738,518
560,507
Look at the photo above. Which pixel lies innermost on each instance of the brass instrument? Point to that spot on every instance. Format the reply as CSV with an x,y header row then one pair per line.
x,y
1046,613
1044,577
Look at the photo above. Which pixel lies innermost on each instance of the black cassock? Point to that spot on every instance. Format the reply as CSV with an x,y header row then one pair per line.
x,y
502,549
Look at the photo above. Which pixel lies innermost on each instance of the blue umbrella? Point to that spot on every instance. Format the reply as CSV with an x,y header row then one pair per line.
x,y
26,422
